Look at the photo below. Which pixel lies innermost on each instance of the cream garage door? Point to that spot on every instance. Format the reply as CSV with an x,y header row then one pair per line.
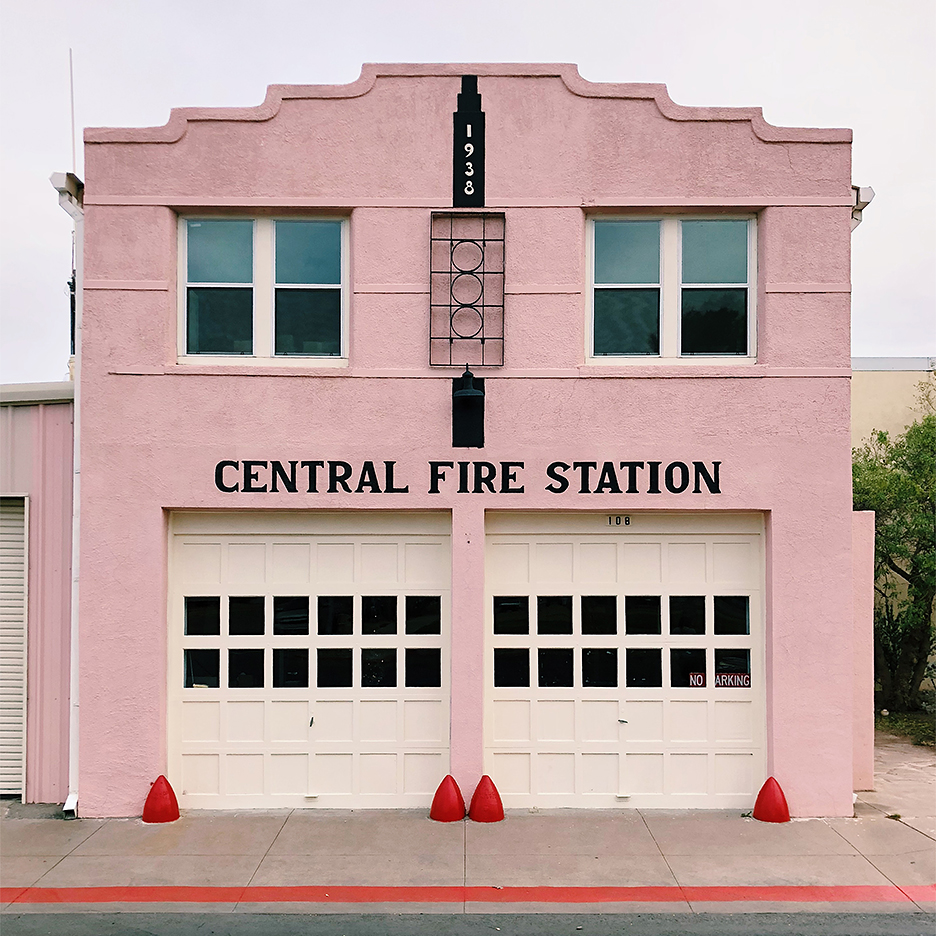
x,y
625,662
308,659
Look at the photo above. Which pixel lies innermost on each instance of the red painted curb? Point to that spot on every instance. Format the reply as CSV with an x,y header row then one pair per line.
x,y
460,894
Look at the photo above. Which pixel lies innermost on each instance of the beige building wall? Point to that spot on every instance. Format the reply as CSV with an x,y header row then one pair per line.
x,y
884,394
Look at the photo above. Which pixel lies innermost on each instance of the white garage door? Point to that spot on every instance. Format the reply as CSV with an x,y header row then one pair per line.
x,y
308,659
625,661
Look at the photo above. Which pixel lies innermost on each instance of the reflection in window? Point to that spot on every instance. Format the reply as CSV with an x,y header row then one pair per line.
x,y
554,667
335,614
378,614
202,669
554,614
599,614
202,616
291,668
245,669
642,614
644,667
245,616
512,615
291,615
378,668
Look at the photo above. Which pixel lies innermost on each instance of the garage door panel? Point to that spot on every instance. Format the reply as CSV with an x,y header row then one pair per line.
x,y
674,716
310,668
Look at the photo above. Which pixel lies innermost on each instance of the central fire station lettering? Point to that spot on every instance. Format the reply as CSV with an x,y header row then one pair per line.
x,y
466,477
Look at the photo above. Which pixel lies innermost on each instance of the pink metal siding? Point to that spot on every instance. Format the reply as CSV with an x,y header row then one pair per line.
x,y
36,460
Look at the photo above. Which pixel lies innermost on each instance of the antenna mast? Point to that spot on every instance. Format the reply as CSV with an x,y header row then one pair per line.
x,y
71,88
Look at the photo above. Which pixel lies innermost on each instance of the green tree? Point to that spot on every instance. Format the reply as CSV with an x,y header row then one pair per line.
x,y
896,478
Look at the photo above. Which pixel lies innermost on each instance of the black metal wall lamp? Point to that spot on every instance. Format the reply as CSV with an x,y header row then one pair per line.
x,y
468,411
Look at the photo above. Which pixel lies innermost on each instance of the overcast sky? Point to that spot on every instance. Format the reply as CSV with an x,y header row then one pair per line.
x,y
864,64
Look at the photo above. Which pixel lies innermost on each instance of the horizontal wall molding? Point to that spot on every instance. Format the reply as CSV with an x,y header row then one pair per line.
x,y
807,287
123,285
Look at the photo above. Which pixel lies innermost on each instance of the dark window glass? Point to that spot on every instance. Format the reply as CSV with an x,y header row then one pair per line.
x,y
423,614
733,661
308,321
291,668
642,614
511,667
644,667
684,662
335,615
599,614
599,666
686,614
220,321
245,616
423,666
334,668
627,321
291,615
245,669
732,614
378,614
202,616
378,668
202,669
714,321
554,614
512,616
555,667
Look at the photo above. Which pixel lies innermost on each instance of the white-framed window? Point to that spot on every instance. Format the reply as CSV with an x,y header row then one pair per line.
x,y
671,288
269,289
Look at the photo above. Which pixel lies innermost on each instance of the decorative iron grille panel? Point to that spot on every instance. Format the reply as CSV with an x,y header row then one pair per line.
x,y
466,301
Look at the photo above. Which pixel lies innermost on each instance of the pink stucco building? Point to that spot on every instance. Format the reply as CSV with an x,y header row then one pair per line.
x,y
319,568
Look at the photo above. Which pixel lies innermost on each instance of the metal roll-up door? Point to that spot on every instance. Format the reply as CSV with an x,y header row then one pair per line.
x,y
13,645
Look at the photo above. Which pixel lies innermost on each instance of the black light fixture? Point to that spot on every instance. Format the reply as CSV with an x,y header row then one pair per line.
x,y
467,411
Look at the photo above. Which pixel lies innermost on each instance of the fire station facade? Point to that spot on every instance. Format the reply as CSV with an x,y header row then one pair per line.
x,y
323,566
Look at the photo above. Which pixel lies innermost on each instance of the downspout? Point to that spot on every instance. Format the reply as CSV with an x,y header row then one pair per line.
x,y
71,197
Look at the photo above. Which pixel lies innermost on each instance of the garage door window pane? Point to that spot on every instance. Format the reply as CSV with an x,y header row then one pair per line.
x,y
245,669
378,668
335,616
202,668
512,615
555,667
554,614
642,614
291,615
599,666
291,669
333,669
379,614
245,616
423,666
687,614
683,663
511,667
732,614
423,614
644,667
599,614
733,661
202,616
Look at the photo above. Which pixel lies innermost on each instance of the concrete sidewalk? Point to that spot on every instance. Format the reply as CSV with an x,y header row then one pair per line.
x,y
378,861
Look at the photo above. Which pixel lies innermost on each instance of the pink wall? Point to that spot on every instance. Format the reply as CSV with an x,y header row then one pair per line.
x,y
36,459
863,564
379,151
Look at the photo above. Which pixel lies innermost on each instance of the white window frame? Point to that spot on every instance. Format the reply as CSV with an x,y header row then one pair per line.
x,y
671,287
264,296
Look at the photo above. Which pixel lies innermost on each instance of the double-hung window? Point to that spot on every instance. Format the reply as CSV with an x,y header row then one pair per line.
x,y
667,288
263,288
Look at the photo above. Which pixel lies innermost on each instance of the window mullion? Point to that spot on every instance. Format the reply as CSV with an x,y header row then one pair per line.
x,y
263,288
669,287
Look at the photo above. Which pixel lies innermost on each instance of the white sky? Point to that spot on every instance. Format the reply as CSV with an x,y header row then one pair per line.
x,y
865,64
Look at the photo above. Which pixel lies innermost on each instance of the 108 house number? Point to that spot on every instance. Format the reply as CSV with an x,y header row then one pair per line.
x,y
618,520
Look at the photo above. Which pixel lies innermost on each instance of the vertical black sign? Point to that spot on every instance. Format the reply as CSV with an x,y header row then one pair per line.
x,y
468,153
